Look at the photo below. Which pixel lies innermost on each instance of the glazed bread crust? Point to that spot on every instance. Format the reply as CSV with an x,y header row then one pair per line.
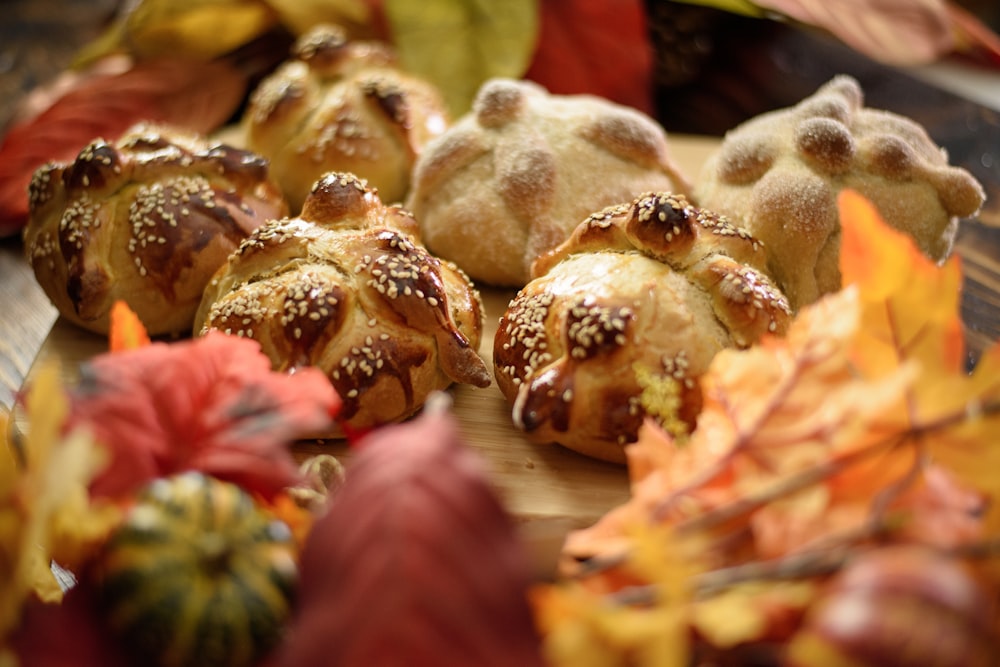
x,y
341,105
641,294
348,288
147,220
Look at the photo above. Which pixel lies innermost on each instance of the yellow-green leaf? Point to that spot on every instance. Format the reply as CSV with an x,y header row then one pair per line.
x,y
196,29
458,45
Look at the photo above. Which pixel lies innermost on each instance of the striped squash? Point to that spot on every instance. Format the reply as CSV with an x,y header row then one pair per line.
x,y
198,574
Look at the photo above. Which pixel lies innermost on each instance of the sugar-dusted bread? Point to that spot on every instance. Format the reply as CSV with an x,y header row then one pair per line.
x,y
342,105
347,287
642,295
779,175
146,219
512,178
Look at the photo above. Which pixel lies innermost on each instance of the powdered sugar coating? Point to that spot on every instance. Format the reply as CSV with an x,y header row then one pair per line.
x,y
147,220
779,174
512,178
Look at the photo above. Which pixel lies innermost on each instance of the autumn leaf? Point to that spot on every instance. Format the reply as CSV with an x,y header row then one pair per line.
x,y
176,91
198,30
595,47
415,561
459,45
744,610
911,316
897,32
211,404
45,513
973,38
127,331
583,629
84,639
911,306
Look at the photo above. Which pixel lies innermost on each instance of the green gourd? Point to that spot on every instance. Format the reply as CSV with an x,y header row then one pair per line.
x,y
198,574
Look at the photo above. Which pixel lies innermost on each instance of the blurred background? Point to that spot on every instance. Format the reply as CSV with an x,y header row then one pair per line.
x,y
710,68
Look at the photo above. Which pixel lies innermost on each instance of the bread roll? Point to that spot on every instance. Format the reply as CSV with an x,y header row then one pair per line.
x,y
146,219
642,294
340,105
512,178
779,175
348,288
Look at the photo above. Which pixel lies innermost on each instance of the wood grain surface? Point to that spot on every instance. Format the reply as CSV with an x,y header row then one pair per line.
x,y
25,319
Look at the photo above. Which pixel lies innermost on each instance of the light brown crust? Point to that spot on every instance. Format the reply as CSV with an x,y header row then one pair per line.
x,y
511,179
341,105
656,286
779,174
147,220
348,288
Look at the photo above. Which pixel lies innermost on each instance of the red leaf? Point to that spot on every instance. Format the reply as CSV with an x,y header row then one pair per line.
x,y
415,563
193,95
973,38
83,640
595,47
211,404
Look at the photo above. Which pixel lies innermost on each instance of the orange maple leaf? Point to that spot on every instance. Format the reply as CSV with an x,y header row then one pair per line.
x,y
127,331
911,317
911,305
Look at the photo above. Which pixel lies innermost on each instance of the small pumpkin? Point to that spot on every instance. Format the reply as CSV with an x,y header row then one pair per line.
x,y
198,574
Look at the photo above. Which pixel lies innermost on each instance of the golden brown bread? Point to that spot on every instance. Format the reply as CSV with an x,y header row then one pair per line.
x,y
779,175
512,178
641,294
341,105
348,288
146,219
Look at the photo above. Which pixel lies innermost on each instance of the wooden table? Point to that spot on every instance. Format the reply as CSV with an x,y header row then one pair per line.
x,y
26,319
